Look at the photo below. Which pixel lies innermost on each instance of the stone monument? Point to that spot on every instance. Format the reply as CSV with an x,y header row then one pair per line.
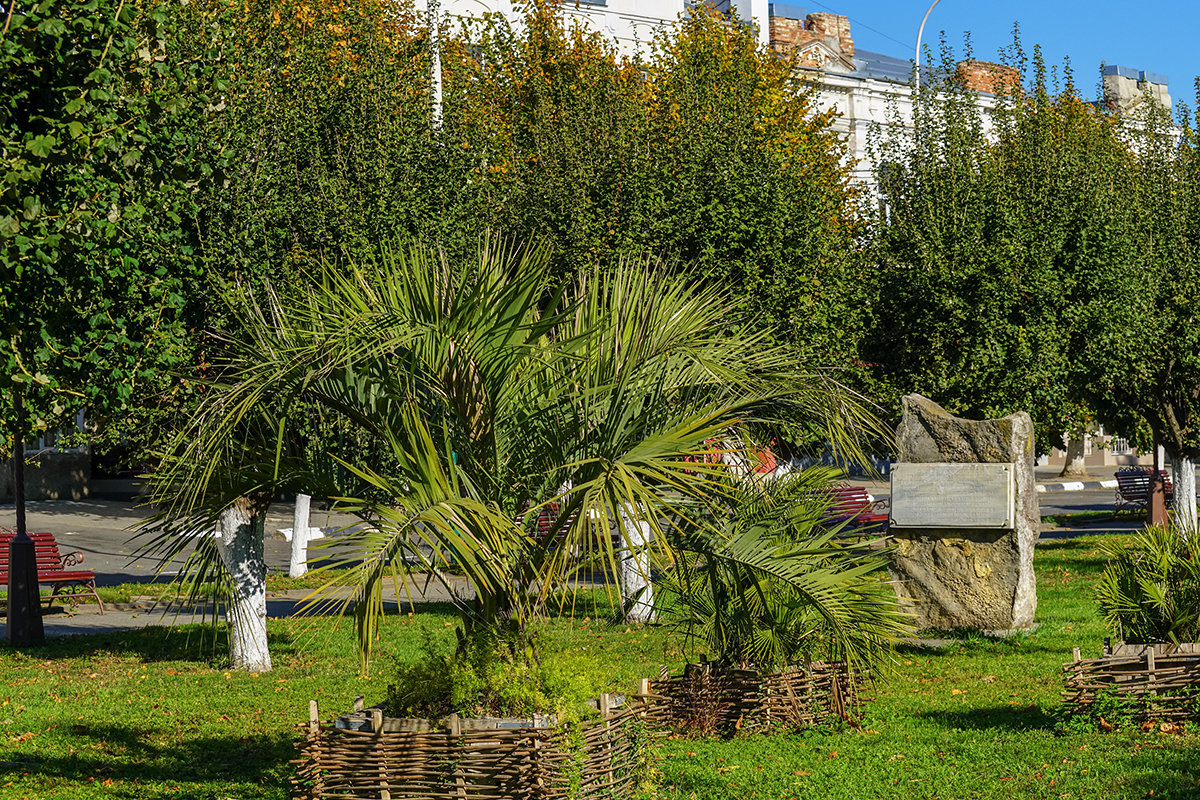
x,y
965,519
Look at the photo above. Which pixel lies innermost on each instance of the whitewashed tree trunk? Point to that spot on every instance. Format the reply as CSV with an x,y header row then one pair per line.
x,y
1074,466
637,594
1183,475
298,565
241,550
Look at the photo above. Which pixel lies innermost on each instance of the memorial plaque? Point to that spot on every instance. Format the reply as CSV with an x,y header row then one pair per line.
x,y
944,495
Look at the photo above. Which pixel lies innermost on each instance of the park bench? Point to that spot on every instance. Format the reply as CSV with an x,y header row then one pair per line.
x,y
545,523
544,528
853,507
54,569
1133,489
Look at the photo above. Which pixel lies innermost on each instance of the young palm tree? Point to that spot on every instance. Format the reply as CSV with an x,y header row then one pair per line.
x,y
772,578
456,399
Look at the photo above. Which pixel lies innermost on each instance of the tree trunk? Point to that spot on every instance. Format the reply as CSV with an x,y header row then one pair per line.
x,y
299,561
1074,467
241,549
637,594
1183,475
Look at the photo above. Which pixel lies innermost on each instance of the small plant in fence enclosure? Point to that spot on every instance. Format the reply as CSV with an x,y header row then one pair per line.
x,y
1150,589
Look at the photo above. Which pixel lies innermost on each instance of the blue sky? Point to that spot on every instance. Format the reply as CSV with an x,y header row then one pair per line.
x,y
1151,35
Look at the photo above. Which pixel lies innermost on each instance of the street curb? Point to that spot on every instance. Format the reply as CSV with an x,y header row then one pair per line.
x,y
1076,486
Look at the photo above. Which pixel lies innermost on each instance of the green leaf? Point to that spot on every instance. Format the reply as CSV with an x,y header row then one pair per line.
x,y
52,27
41,146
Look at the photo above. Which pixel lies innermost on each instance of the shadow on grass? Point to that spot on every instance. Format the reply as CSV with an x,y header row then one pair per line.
x,y
966,642
131,755
1174,775
1007,717
1081,552
190,642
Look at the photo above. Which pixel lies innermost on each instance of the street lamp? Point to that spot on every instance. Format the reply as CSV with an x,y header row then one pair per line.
x,y
921,30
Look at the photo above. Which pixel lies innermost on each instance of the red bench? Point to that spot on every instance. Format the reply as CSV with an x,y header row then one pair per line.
x,y
545,523
1133,489
853,506
54,569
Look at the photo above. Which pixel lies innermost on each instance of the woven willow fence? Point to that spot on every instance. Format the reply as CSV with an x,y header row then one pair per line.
x,y
1145,682
367,755
707,697
599,758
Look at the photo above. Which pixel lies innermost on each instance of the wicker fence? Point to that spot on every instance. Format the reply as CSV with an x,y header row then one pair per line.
x,y
365,754
710,698
1145,682
390,759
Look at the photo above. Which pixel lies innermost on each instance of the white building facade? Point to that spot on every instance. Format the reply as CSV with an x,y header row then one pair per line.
x,y
632,24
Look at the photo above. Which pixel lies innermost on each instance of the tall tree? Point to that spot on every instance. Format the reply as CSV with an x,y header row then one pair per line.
x,y
991,216
94,242
1140,325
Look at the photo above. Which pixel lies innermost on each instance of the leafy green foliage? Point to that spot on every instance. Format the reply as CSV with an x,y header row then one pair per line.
x,y
488,389
1152,283
1150,589
94,200
992,218
708,154
495,675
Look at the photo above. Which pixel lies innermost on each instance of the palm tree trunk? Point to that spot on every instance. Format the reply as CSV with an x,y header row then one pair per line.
x,y
241,550
298,564
637,594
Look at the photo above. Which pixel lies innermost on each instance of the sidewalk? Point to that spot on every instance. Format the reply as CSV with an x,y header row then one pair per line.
x,y
65,620
101,529
1047,478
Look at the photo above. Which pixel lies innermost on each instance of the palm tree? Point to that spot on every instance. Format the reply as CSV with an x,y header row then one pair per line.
x,y
455,400
771,579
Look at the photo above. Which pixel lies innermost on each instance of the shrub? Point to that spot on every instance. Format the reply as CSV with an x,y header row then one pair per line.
x,y
493,674
1150,589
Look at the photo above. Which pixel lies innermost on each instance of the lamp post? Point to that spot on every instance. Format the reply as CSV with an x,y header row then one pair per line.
x,y
921,30
24,623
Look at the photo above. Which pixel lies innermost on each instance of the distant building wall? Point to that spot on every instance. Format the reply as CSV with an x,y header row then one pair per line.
x,y
54,475
632,24
1125,89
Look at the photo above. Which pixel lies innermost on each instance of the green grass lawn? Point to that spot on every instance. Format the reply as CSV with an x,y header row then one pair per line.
x,y
150,714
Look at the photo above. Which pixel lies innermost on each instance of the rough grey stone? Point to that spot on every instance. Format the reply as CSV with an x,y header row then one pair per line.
x,y
979,579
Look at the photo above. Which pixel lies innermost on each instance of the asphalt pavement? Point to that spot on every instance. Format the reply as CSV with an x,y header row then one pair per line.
x,y
106,532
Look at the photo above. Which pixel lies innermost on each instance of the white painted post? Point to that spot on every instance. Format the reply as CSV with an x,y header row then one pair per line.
x,y
299,561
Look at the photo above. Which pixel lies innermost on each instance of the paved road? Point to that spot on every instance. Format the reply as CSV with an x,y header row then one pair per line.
x,y
104,531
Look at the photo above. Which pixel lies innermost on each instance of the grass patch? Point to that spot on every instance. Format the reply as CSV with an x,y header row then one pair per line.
x,y
153,714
